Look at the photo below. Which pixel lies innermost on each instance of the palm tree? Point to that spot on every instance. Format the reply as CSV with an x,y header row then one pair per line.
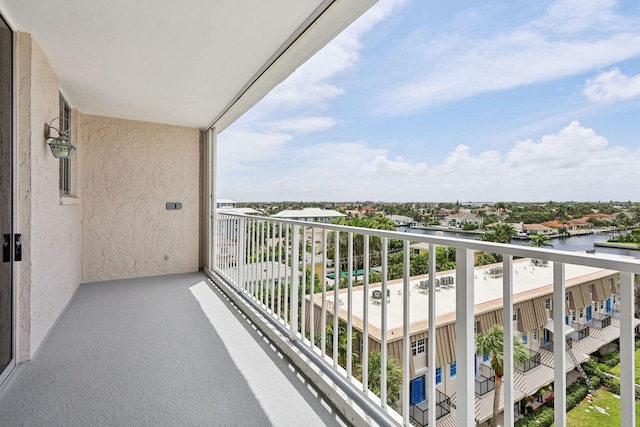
x,y
504,232
562,231
491,343
378,222
394,378
540,241
343,339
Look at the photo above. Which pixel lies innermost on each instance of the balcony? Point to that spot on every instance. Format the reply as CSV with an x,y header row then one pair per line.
x,y
580,331
420,413
599,321
550,346
307,313
168,350
485,381
532,362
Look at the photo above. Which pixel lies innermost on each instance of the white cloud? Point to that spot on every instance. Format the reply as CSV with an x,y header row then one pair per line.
x,y
256,147
570,38
566,17
302,125
306,91
573,164
611,86
309,84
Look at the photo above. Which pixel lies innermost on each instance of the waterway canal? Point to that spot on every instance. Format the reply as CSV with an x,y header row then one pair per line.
x,y
575,243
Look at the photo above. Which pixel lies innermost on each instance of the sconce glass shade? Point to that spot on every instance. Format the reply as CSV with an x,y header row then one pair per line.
x,y
60,145
61,149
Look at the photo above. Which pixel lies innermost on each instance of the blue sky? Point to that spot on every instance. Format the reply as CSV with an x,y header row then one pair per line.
x,y
444,101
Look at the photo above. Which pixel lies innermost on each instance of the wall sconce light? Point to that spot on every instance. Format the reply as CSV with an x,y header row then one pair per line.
x,y
60,144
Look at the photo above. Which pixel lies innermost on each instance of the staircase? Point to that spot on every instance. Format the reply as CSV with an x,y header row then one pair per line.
x,y
579,367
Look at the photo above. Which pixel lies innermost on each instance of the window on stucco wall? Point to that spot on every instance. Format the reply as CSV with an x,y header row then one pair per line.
x,y
65,164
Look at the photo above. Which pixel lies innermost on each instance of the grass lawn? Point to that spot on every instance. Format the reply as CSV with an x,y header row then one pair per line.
x,y
616,369
631,245
579,416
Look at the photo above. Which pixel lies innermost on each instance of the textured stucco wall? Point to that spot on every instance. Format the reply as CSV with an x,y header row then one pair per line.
x,y
129,171
50,270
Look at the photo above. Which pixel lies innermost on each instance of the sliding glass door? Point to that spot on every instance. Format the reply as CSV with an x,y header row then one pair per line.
x,y
6,200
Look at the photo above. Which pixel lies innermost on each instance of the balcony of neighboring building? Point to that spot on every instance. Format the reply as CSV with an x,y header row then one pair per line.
x,y
581,331
532,362
598,320
485,380
419,411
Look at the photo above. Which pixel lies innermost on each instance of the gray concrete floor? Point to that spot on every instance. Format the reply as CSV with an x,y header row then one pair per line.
x,y
158,351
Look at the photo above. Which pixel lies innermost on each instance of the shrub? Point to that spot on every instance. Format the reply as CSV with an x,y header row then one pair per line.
x,y
612,384
611,359
543,416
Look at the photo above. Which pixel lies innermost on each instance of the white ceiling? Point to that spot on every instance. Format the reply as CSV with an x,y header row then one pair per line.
x,y
182,63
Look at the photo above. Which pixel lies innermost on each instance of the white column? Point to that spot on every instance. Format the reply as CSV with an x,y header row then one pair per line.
x,y
507,320
295,282
383,323
431,338
350,305
365,316
242,253
559,347
627,362
210,209
406,334
465,340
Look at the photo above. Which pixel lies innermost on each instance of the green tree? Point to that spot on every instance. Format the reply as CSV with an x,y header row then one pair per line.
x,y
378,222
501,234
491,343
504,232
540,240
394,378
343,339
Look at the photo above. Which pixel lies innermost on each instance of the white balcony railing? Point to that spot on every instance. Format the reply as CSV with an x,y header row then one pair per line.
x,y
265,260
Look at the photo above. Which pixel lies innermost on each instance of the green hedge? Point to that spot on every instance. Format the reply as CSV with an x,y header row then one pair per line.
x,y
611,359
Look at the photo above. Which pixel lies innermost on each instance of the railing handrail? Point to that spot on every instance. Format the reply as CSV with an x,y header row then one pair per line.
x,y
630,265
534,360
258,239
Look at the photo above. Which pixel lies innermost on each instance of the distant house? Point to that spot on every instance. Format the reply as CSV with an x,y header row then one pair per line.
x,y
558,224
360,212
229,206
460,219
580,223
245,211
369,210
310,214
225,203
400,220
537,229
442,214
600,216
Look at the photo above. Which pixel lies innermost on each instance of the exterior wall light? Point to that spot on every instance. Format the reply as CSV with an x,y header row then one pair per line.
x,y
60,144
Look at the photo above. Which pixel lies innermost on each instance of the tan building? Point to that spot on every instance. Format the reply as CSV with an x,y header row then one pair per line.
x,y
591,323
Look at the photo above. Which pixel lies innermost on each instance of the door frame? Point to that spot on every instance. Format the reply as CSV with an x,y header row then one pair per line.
x,y
10,368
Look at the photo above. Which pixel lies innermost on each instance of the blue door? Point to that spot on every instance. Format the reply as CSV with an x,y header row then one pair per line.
x,y
589,316
547,337
566,319
418,390
608,305
475,366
